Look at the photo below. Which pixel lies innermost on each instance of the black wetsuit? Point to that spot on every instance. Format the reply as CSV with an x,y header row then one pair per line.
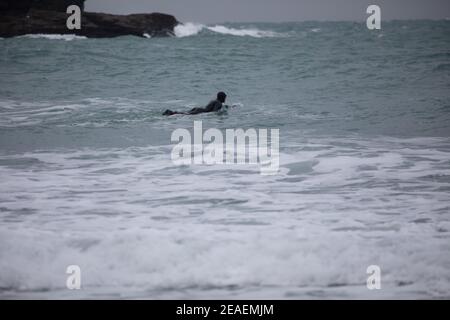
x,y
214,105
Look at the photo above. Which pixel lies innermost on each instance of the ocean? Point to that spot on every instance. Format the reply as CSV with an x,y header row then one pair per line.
x,y
86,176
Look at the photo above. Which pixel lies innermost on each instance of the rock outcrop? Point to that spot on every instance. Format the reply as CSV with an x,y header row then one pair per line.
x,y
20,17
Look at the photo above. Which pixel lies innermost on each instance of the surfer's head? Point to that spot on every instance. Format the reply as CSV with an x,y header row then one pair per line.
x,y
221,96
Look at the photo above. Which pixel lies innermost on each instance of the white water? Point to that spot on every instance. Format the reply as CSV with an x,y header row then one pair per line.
x,y
66,37
191,29
141,227
188,29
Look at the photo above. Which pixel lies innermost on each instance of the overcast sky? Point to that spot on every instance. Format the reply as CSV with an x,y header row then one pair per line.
x,y
210,11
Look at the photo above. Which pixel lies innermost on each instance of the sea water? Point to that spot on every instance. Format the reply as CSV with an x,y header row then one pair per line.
x,y
86,176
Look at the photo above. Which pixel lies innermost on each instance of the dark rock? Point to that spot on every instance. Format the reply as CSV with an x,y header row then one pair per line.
x,y
20,17
109,25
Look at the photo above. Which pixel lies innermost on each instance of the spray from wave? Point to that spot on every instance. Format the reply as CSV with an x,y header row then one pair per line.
x,y
191,29
187,29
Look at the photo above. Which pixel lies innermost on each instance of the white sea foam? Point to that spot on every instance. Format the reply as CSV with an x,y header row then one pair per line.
x,y
66,37
141,227
190,29
256,33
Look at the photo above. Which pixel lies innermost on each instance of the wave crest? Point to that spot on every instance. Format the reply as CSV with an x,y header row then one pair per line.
x,y
188,29
191,29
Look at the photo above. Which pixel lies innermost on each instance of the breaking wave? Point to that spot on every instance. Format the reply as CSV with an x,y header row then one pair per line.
x,y
191,29
66,37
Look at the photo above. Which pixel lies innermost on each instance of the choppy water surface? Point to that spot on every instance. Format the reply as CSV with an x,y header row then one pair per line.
x,y
86,176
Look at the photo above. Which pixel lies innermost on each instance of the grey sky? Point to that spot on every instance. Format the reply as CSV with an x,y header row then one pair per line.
x,y
209,11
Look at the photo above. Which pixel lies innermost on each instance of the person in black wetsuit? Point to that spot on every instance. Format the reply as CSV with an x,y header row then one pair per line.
x,y
214,105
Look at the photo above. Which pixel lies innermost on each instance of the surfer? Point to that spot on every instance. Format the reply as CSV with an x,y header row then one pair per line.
x,y
214,105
